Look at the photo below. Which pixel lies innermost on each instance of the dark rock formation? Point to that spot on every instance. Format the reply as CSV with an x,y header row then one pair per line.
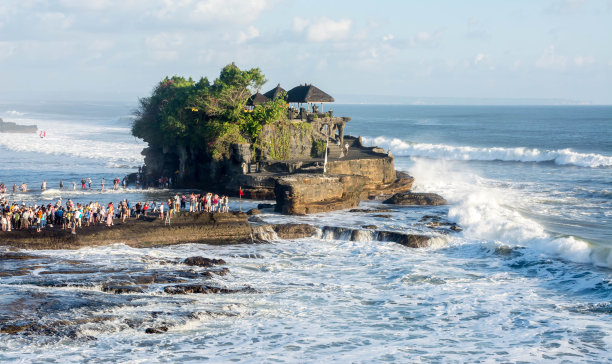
x,y
254,212
294,231
203,262
10,127
156,330
196,288
419,199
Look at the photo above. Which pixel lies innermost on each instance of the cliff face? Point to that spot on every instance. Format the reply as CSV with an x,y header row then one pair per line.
x,y
378,172
309,193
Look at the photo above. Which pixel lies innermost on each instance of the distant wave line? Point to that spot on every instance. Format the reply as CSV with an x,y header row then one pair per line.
x,y
467,153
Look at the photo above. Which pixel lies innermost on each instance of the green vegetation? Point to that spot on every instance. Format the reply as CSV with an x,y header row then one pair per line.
x,y
318,148
205,116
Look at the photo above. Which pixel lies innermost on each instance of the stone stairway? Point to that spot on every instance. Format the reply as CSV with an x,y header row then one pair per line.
x,y
335,151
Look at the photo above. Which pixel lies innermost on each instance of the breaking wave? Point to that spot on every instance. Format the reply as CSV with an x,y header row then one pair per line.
x,y
465,153
487,213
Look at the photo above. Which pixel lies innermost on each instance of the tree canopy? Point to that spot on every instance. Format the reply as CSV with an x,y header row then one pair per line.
x,y
203,115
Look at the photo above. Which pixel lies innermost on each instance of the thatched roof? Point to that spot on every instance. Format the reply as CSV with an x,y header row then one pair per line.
x,y
308,93
274,93
257,99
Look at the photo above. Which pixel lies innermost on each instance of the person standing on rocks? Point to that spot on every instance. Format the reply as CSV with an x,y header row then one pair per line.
x,y
61,185
43,186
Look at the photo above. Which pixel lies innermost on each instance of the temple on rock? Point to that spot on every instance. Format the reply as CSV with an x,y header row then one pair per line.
x,y
283,145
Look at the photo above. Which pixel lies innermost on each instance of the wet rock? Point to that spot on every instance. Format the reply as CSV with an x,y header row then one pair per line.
x,y
266,206
409,240
456,228
219,272
255,219
122,289
417,199
254,212
14,329
371,210
383,216
294,231
203,262
429,218
17,256
156,330
369,226
186,289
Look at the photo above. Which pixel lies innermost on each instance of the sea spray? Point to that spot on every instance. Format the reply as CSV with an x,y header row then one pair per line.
x,y
488,213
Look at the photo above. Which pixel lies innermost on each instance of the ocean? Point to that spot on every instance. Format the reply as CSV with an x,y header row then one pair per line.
x,y
528,279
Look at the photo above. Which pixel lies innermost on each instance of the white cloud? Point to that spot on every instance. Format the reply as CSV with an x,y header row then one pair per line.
x,y
299,24
164,40
424,38
583,61
7,49
388,37
324,29
250,33
55,20
90,4
212,11
551,60
163,46
481,58
565,6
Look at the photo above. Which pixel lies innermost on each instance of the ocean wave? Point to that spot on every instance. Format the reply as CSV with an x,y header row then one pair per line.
x,y
489,214
83,141
465,153
14,113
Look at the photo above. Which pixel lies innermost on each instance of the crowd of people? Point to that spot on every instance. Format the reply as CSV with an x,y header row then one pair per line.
x,y
86,184
15,216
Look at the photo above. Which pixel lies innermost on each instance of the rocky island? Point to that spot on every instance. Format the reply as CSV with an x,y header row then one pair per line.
x,y
226,136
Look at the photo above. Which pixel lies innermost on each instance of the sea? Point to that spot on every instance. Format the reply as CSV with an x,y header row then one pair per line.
x,y
527,279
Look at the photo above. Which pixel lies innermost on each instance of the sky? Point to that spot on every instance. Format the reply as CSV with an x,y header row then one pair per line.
x,y
355,50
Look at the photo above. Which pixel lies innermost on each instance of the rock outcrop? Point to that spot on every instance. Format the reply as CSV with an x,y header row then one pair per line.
x,y
418,199
206,228
10,127
301,194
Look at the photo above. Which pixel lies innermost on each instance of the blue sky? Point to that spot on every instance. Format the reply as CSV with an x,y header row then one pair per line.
x,y
548,49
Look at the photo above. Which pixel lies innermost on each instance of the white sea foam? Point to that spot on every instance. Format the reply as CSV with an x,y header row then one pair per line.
x,y
77,140
14,113
488,213
520,154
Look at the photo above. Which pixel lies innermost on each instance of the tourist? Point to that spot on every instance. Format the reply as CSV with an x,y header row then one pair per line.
x,y
89,182
24,187
109,214
43,186
73,186
61,185
161,210
102,189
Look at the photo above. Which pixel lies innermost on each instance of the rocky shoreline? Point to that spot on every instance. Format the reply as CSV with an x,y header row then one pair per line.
x,y
202,228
